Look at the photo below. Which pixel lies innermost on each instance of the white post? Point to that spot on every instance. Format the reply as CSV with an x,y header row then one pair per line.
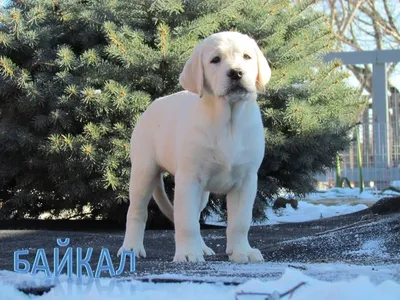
x,y
381,115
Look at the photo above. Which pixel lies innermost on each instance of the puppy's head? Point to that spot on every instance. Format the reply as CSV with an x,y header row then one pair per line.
x,y
228,65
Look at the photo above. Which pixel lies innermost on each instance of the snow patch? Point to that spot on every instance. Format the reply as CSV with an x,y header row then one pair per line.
x,y
305,212
340,193
375,248
360,287
395,183
368,194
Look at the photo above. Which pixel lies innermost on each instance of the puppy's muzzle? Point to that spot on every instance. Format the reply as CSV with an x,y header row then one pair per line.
x,y
235,85
235,74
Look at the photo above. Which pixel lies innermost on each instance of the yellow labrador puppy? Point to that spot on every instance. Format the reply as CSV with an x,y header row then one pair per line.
x,y
211,138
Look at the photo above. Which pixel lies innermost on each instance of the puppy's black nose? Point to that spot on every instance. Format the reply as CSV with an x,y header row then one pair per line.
x,y
235,74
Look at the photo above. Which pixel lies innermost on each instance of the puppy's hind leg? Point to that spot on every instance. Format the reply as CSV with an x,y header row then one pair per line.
x,y
162,200
144,175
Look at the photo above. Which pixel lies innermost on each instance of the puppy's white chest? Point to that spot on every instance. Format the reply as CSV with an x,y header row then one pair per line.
x,y
230,154
227,164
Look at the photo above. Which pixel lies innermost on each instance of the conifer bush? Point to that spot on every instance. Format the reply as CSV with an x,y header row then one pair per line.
x,y
75,76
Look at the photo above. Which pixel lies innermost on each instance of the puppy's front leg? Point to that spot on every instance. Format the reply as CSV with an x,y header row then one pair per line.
x,y
187,200
240,208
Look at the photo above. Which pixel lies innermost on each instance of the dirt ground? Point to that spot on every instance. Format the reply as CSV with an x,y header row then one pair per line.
x,y
343,238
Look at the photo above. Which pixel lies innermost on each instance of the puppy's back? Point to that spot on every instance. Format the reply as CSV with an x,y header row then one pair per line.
x,y
156,133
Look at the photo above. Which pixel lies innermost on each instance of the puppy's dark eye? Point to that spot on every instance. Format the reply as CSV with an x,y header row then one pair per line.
x,y
246,57
215,60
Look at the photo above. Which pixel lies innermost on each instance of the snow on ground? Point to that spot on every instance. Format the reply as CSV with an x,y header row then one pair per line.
x,y
375,248
331,272
372,194
323,281
367,194
342,283
305,212
330,203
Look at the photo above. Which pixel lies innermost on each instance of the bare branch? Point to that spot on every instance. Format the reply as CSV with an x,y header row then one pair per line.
x,y
378,34
362,25
350,16
336,18
354,39
360,20
377,19
365,31
390,17
333,9
342,5
363,75
274,295
381,23
391,68
350,43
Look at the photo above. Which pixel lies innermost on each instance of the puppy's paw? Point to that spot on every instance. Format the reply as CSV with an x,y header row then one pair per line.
x,y
251,255
188,257
206,250
138,249
189,249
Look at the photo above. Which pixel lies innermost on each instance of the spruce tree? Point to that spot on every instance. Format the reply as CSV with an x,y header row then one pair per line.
x,y
75,76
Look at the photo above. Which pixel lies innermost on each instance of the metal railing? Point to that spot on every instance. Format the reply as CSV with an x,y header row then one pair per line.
x,y
380,167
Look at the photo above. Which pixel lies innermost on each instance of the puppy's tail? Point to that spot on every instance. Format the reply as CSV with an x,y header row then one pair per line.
x,y
162,200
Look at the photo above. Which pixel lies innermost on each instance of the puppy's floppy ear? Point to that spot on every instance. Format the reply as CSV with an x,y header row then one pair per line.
x,y
264,71
191,78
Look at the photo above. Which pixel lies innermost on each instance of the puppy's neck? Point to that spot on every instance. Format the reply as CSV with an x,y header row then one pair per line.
x,y
226,114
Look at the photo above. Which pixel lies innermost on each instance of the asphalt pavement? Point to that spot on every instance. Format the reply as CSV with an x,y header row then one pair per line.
x,y
343,238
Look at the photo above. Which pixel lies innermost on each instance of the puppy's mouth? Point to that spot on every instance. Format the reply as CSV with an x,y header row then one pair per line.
x,y
236,92
237,89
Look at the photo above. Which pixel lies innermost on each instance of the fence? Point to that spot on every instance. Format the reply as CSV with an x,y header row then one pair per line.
x,y
380,151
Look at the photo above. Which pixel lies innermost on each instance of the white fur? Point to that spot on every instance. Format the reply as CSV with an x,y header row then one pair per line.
x,y
211,140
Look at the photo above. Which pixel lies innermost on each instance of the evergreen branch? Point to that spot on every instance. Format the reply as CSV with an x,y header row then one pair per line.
x,y
112,35
8,67
163,31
